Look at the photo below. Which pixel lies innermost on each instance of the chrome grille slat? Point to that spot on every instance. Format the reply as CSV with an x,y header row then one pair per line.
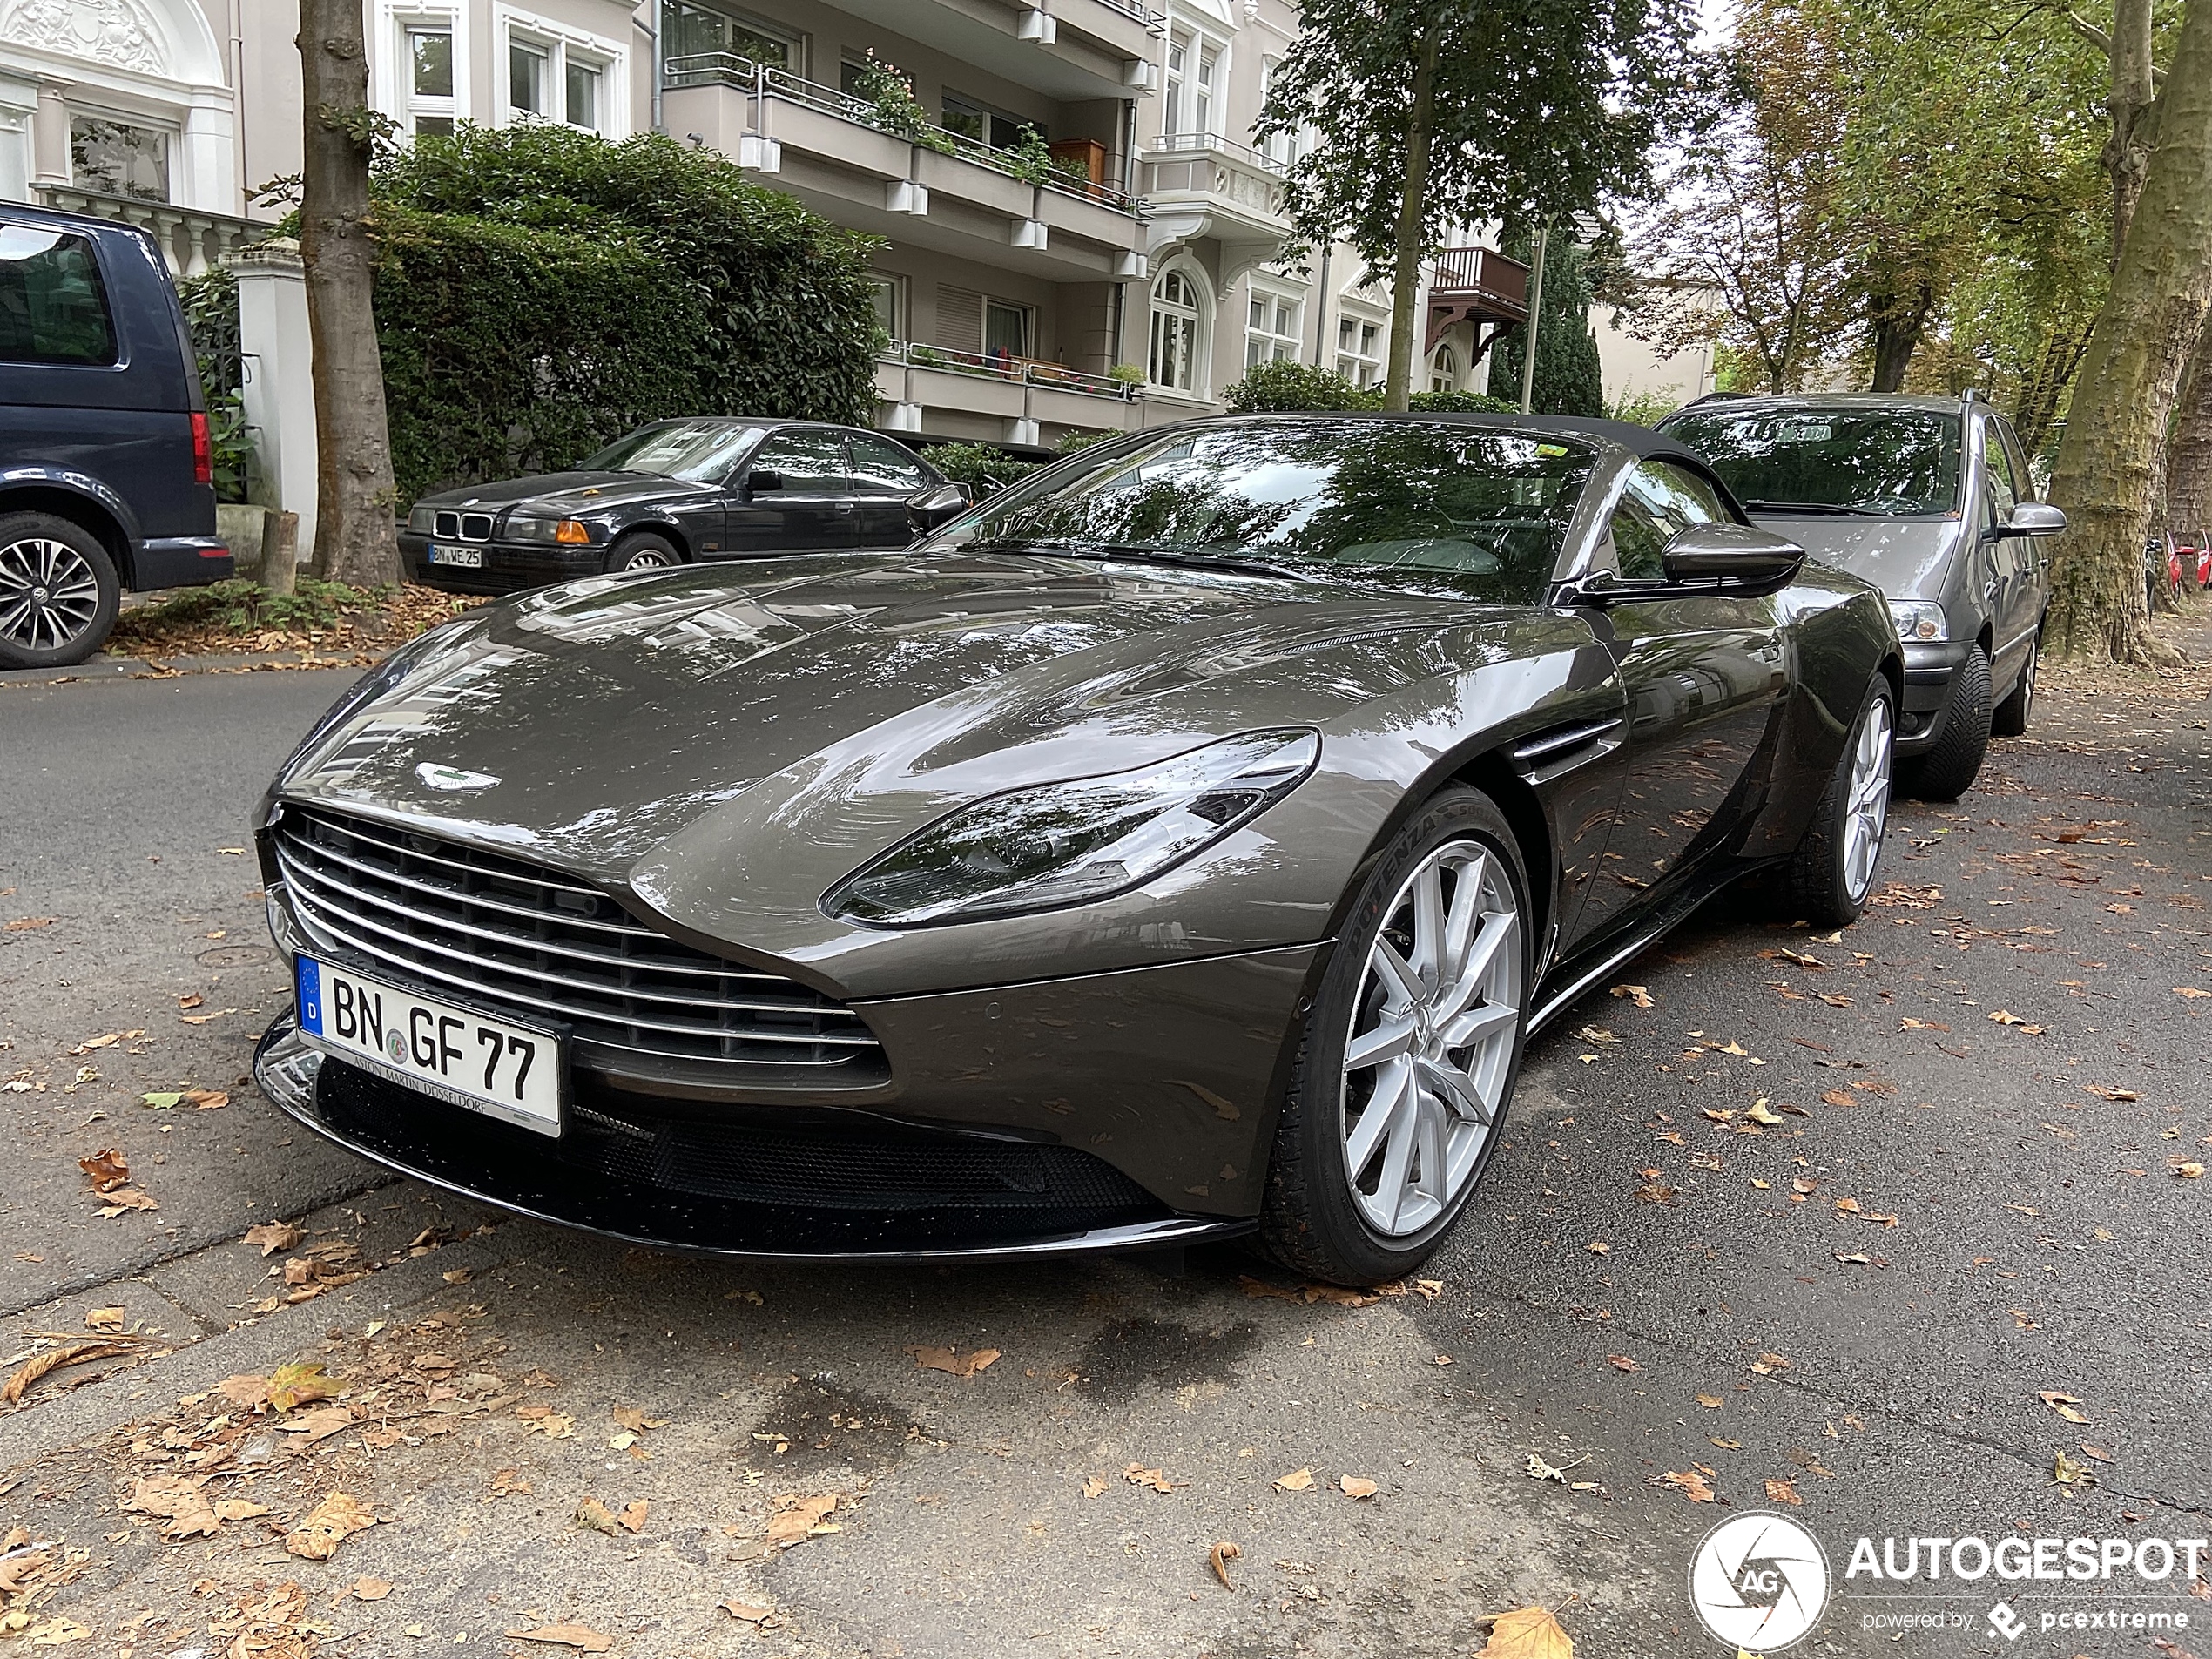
x,y
508,934
290,860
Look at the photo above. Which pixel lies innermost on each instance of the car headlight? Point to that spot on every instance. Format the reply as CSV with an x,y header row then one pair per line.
x,y
570,532
1917,620
1069,843
423,520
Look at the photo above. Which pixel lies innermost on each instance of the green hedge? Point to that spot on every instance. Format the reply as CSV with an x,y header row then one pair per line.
x,y
1300,388
541,291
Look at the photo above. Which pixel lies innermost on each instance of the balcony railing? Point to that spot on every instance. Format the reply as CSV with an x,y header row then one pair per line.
x,y
1001,366
1482,273
764,81
1186,143
192,241
1155,22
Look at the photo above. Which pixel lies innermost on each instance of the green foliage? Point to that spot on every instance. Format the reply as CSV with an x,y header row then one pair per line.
x,y
541,291
1078,439
241,606
210,303
892,106
981,466
1642,408
1298,388
1128,374
1569,379
1543,106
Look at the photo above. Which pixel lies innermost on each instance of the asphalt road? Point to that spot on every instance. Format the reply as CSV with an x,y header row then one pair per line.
x,y
1951,1215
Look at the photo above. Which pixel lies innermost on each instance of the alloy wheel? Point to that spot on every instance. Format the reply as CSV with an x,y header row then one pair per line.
x,y
49,594
647,558
1867,809
1435,1024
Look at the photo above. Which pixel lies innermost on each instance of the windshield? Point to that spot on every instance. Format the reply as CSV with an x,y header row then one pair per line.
x,y
1895,462
1487,507
702,451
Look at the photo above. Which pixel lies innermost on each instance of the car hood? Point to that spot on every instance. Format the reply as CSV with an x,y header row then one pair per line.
x,y
586,725
570,492
1904,557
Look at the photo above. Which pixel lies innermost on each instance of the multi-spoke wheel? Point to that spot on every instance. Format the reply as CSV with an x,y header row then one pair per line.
x,y
58,592
1832,870
644,552
1410,1053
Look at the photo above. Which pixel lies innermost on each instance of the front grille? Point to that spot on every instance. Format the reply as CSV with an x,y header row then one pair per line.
x,y
464,527
538,943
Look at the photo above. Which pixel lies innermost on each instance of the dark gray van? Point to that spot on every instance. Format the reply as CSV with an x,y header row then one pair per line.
x,y
106,471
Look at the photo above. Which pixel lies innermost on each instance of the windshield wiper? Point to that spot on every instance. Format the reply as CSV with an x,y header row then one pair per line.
x,y
1142,552
1837,509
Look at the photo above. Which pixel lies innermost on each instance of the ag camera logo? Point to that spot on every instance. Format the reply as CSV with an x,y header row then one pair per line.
x,y
1758,1581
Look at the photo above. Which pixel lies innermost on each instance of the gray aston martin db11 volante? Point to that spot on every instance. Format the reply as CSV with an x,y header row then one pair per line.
x,y
1182,843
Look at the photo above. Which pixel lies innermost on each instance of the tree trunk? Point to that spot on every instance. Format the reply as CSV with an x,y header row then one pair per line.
x,y
2150,325
1899,317
355,538
2134,88
1532,330
2188,461
1413,217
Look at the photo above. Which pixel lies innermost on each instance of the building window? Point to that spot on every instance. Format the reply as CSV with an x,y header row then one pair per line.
x,y
1281,148
555,74
689,30
1271,329
1444,370
428,67
1359,349
890,294
1007,329
1191,104
982,122
118,158
1178,331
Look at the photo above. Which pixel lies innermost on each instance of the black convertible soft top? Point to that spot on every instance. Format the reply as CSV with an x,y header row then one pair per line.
x,y
1639,440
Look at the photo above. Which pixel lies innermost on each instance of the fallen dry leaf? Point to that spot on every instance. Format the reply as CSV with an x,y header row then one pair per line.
x,y
799,1518
2189,1170
2005,1016
951,1360
1838,1097
1219,1557
297,1383
28,924
107,1169
744,1611
274,1236
314,1426
565,1636
2070,1472
1711,1402
1527,1633
1094,1486
1296,1480
178,1501
593,1514
1354,1485
1691,1483
2066,1406
633,1515
1621,1362
1639,995
70,1354
1782,1492
365,1588
107,1319
125,1198
327,1525
1767,1364
1137,1476
1757,1112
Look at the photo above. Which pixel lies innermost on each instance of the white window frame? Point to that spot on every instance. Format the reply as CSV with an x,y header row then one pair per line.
x,y
562,45
1441,378
1201,316
391,86
1273,345
1176,85
901,314
1362,369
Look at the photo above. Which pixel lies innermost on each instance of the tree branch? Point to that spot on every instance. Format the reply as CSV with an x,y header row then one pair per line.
x,y
2102,42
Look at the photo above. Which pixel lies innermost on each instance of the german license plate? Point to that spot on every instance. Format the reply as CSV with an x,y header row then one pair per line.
x,y
493,1066
467,558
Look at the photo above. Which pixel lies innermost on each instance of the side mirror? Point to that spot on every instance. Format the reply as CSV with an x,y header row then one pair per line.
x,y
934,506
2034,518
763,481
1738,555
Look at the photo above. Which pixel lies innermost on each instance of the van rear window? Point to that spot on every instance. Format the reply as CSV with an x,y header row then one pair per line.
x,y
52,309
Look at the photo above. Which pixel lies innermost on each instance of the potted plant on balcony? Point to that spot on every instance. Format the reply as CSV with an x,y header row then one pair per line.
x,y
888,105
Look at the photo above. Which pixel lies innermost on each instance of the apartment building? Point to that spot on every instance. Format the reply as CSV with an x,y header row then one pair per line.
x,y
1078,231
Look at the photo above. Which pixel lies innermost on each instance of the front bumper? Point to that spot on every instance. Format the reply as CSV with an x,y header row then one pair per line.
x,y
508,567
180,561
788,1188
1929,669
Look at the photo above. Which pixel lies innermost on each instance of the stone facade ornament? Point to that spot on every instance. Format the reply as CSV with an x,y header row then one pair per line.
x,y
114,32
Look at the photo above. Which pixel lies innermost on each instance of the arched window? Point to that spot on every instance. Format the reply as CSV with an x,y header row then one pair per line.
x,y
1178,331
1444,370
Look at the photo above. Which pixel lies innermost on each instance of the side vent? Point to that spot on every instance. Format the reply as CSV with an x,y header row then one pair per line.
x,y
1553,751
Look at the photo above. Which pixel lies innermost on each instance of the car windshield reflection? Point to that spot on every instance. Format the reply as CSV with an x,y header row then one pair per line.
x,y
1874,463
701,451
1487,507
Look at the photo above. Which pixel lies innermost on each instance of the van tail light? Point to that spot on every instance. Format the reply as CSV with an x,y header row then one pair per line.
x,y
203,449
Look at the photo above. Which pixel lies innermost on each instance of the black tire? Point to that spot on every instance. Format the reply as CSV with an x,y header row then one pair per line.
x,y
1820,882
1310,1223
58,592
1947,770
2011,716
644,550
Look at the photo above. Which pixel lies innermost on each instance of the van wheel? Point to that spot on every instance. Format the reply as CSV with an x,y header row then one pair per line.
x,y
58,592
1947,770
2011,716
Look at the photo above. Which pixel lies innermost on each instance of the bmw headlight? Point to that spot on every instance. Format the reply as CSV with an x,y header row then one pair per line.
x,y
1919,620
1069,843
423,520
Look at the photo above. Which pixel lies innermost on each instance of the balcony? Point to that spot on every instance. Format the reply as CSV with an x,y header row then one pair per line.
x,y
1476,285
914,183
1019,394
1202,186
191,240
1067,49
